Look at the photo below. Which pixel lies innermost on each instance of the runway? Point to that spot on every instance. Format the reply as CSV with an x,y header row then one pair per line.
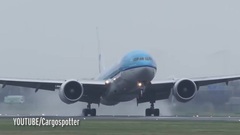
x,y
131,118
164,118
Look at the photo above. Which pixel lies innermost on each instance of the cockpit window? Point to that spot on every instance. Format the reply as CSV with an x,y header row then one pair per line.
x,y
142,58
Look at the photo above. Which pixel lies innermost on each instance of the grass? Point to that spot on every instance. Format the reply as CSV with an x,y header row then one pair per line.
x,y
109,127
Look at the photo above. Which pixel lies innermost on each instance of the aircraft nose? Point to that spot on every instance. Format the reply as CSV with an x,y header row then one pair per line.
x,y
146,73
141,74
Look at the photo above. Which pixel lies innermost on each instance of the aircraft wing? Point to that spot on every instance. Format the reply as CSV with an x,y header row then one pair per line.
x,y
160,90
92,89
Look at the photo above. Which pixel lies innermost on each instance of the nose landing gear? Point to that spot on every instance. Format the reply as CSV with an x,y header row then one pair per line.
x,y
151,111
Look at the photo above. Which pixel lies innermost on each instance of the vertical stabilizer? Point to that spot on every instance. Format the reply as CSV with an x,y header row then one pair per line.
x,y
100,67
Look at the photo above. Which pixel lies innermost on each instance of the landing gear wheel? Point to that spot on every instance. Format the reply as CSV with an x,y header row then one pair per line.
x,y
156,112
85,112
151,111
148,112
93,112
88,111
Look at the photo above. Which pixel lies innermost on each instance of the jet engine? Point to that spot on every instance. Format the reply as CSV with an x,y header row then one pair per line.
x,y
184,90
71,91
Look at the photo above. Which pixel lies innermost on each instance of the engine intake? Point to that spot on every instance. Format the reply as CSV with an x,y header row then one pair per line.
x,y
71,91
184,90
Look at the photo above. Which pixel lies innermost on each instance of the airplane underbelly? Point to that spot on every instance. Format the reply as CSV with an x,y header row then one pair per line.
x,y
121,90
115,99
124,86
127,97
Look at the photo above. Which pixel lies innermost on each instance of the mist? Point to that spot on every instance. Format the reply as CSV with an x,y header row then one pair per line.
x,y
49,103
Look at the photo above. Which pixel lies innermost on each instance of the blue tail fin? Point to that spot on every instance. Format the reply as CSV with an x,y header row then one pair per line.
x,y
100,66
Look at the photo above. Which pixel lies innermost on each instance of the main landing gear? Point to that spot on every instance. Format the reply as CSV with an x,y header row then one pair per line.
x,y
88,111
151,111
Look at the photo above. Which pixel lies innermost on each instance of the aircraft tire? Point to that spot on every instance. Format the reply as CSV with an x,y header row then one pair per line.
x,y
85,112
148,112
156,112
93,112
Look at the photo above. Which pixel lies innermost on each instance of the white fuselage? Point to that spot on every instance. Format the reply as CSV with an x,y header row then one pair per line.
x,y
125,85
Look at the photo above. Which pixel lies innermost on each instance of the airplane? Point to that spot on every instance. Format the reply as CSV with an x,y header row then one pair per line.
x,y
131,78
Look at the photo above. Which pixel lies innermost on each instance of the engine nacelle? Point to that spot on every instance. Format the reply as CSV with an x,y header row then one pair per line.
x,y
71,91
184,90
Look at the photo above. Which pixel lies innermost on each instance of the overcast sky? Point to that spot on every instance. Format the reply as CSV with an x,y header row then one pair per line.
x,y
55,39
